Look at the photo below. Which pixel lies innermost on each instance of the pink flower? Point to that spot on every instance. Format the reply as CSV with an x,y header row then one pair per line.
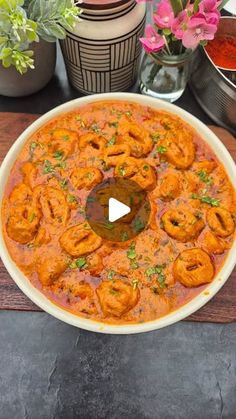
x,y
209,9
153,42
179,24
198,30
164,15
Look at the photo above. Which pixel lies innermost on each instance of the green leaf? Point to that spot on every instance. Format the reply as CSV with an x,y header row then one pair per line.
x,y
161,149
110,274
222,4
80,263
131,253
177,6
204,177
196,5
167,32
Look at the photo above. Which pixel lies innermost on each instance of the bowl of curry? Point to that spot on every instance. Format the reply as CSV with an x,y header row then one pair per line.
x,y
172,267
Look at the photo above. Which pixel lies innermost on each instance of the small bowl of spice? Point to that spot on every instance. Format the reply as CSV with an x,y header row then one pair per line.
x,y
213,79
222,49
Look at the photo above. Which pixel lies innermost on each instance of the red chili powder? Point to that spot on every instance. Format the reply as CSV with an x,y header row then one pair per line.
x,y
222,51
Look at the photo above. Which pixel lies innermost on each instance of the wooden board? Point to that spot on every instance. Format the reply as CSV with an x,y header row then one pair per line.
x,y
221,309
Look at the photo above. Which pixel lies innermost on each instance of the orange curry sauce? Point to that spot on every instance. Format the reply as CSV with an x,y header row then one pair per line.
x,y
191,226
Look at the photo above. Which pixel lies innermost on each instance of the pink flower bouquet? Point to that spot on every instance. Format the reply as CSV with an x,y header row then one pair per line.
x,y
177,28
180,25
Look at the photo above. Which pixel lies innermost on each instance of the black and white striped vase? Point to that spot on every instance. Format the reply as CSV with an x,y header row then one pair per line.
x,y
103,52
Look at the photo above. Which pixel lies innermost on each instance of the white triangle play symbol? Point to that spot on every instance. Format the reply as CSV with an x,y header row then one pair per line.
x,y
117,210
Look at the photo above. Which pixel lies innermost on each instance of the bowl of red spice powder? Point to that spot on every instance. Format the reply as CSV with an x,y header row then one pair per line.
x,y
222,49
213,75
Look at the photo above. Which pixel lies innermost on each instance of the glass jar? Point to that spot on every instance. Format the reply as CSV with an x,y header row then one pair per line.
x,y
164,76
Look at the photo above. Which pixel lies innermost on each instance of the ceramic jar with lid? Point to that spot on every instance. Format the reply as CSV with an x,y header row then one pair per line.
x,y
103,52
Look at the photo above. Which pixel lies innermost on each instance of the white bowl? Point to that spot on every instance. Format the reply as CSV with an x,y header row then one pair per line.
x,y
38,298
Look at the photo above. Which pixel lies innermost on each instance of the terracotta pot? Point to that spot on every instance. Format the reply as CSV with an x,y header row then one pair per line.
x,y
103,52
14,84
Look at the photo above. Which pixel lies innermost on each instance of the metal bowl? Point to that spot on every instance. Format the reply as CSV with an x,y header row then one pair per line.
x,y
214,89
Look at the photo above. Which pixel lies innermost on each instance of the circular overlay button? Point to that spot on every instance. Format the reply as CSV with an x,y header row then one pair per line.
x,y
117,209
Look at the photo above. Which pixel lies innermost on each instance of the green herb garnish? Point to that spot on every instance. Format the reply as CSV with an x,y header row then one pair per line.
x,y
146,167
214,202
110,274
48,167
131,253
33,146
95,128
157,270
109,226
79,263
58,155
63,183
72,199
114,124
134,264
161,149
204,177
138,224
112,141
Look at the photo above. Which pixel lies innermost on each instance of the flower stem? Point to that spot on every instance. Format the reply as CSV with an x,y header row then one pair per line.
x,y
176,6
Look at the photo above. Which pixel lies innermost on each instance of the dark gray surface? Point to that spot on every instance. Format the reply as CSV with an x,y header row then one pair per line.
x,y
51,370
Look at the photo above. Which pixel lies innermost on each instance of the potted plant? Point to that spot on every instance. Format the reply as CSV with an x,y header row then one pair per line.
x,y
178,28
28,31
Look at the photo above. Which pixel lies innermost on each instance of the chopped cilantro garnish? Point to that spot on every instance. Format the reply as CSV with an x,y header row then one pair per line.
x,y
214,202
48,167
131,253
65,137
62,164
146,167
161,149
110,274
114,124
79,263
138,224
204,177
63,183
109,226
58,155
71,199
112,141
128,113
157,270
95,128
33,146
134,265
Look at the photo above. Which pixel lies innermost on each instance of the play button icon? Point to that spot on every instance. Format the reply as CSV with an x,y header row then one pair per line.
x,y
117,209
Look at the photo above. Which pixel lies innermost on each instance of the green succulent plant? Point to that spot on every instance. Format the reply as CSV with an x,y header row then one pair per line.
x,y
25,21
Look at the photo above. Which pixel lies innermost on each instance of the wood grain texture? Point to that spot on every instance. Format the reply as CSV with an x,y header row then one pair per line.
x,y
221,309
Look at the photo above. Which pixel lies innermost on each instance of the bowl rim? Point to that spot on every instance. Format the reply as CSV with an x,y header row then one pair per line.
x,y
50,307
